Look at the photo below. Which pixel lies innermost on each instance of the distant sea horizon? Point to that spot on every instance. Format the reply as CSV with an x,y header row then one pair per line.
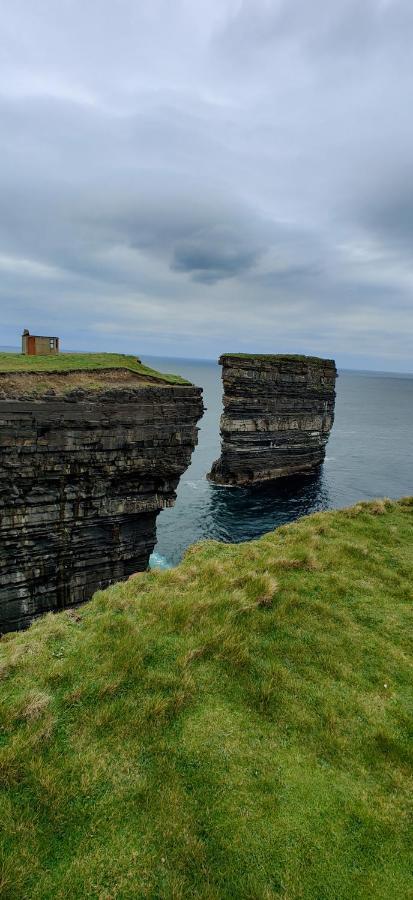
x,y
11,348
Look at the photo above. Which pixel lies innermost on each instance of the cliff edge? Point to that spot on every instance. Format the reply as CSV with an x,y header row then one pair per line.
x,y
88,459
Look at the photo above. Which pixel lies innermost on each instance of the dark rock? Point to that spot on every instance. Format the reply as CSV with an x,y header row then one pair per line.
x,y
81,485
278,413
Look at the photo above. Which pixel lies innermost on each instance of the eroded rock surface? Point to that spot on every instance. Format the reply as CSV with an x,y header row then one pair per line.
x,y
83,477
278,413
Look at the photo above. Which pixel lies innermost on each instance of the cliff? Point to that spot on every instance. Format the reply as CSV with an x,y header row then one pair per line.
x,y
237,727
278,413
87,461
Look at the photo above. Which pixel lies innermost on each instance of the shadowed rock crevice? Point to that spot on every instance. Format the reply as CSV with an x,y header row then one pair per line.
x,y
278,413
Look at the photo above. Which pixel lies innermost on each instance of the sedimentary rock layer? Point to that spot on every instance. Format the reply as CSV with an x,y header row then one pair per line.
x,y
278,413
83,477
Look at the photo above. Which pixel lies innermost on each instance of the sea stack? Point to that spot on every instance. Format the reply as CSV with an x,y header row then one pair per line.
x,y
278,414
84,473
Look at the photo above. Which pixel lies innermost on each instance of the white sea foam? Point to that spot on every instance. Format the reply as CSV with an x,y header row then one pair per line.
x,y
157,561
200,485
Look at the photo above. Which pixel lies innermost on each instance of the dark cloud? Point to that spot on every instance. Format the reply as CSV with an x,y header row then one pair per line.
x,y
209,258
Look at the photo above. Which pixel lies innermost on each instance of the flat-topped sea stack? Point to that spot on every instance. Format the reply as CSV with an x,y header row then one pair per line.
x,y
91,449
278,413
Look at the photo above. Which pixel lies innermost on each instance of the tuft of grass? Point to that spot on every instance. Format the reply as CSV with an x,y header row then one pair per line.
x,y
239,726
76,362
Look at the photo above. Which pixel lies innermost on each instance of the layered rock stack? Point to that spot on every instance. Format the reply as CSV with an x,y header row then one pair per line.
x,y
83,477
278,413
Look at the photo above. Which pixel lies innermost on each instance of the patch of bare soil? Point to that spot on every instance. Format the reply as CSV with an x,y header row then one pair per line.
x,y
14,385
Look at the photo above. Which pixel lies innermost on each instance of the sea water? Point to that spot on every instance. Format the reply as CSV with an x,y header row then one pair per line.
x,y
369,454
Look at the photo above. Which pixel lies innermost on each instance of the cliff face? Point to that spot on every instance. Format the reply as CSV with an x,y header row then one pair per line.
x,y
83,477
278,413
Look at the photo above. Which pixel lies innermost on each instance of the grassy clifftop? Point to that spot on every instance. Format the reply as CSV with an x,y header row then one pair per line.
x,y
81,362
237,727
278,357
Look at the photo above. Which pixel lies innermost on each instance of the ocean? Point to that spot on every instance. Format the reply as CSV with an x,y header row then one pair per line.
x,y
369,454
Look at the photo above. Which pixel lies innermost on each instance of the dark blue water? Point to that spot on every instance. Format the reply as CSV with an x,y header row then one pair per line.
x,y
369,454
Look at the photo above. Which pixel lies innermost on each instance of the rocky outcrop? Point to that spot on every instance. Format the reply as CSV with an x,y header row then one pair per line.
x,y
83,477
278,413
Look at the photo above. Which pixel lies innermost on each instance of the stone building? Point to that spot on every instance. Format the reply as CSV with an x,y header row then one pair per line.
x,y
39,345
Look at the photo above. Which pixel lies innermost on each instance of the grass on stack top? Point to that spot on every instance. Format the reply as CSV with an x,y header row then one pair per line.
x,y
71,362
280,357
237,727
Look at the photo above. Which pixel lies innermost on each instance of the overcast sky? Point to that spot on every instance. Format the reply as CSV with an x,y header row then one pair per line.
x,y
187,177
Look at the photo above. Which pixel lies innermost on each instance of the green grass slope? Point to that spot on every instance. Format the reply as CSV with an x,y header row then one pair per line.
x,y
238,727
72,362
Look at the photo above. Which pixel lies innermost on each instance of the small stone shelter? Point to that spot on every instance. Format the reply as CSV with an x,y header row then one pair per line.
x,y
39,345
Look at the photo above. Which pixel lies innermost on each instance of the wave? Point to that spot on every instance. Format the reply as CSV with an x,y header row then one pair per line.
x,y
201,484
157,561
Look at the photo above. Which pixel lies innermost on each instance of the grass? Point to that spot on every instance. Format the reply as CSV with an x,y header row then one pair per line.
x,y
72,362
279,357
237,727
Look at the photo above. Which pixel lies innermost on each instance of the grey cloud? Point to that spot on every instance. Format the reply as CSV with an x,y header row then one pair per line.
x,y
345,27
220,254
386,209
63,215
180,174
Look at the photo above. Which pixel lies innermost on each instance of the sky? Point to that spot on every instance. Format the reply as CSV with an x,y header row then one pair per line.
x,y
191,177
